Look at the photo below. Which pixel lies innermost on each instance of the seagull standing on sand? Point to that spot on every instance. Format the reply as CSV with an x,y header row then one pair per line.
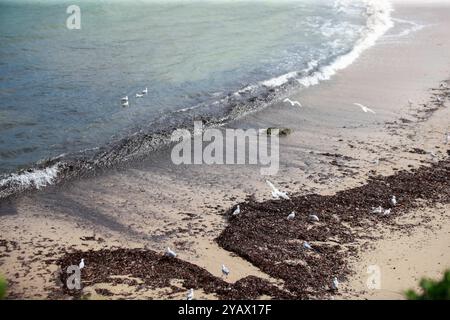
x,y
378,210
291,216
145,91
125,103
364,108
433,156
293,103
335,284
225,271
306,245
277,194
190,295
313,218
124,99
138,95
393,201
170,253
443,85
81,265
387,212
237,211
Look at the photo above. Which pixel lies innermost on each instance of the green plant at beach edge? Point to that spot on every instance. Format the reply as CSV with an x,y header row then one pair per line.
x,y
432,290
3,286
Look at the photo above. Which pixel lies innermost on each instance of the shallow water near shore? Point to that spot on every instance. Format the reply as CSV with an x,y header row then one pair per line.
x,y
61,88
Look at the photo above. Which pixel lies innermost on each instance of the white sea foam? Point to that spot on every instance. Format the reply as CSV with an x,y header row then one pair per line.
x,y
379,21
37,178
414,27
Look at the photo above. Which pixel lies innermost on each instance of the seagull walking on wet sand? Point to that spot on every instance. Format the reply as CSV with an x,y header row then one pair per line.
x,y
387,212
313,218
81,265
170,253
393,201
190,295
125,103
124,99
145,91
291,216
237,211
335,284
277,194
364,108
225,271
292,103
138,95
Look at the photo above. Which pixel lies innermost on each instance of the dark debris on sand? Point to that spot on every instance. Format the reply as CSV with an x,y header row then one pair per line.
x,y
262,235
157,271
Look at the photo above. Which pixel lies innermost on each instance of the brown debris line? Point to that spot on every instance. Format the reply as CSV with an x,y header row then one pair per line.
x,y
262,234
156,271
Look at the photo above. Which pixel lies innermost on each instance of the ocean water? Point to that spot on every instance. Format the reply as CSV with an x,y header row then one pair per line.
x,y
60,89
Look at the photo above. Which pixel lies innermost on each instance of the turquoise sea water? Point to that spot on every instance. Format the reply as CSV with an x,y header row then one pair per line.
x,y
60,89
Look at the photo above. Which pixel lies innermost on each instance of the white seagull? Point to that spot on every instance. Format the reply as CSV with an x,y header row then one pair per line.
x,y
335,284
291,216
277,194
225,271
124,99
393,201
443,85
364,108
433,156
387,212
313,218
138,95
125,103
145,91
170,253
81,265
237,211
306,245
293,103
190,295
378,210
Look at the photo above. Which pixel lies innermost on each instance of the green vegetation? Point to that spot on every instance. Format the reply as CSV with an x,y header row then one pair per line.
x,y
3,286
432,290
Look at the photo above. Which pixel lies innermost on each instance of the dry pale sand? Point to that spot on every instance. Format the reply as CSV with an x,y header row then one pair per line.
x,y
156,204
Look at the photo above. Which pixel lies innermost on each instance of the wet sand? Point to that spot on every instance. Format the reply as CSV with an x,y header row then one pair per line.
x,y
334,146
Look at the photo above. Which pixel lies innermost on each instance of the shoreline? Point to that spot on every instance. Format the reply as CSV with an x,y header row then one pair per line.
x,y
235,105
154,205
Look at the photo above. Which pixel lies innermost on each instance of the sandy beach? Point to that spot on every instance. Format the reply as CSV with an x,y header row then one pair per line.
x,y
338,161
